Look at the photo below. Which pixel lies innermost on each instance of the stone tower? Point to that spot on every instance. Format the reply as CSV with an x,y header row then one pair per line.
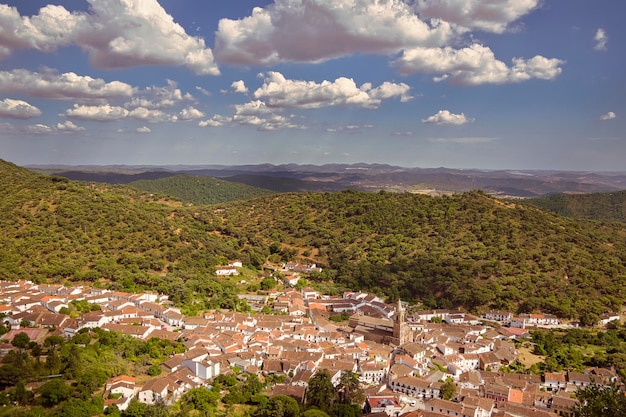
x,y
401,332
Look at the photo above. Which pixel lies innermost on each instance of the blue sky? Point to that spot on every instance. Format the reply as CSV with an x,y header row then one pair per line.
x,y
490,84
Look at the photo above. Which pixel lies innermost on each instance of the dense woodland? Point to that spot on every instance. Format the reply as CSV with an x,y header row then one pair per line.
x,y
468,251
199,190
595,206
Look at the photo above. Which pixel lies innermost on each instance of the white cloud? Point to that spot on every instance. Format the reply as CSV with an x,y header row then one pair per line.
x,y
278,92
422,30
104,113
54,26
39,129
115,34
143,129
608,116
18,109
475,65
270,122
252,108
168,95
215,121
601,39
61,86
490,16
444,117
148,115
239,87
69,126
318,30
190,113
203,91
66,127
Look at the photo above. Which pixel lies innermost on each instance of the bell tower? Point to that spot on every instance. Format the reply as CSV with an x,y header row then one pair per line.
x,y
400,329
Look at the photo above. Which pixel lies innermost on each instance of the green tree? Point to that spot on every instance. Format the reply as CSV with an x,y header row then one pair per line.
x,y
201,399
252,385
448,390
349,388
268,284
597,400
53,392
21,395
279,406
135,409
21,340
154,370
53,341
321,392
10,374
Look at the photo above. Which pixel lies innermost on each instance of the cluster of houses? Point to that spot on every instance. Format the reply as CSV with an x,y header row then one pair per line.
x,y
402,361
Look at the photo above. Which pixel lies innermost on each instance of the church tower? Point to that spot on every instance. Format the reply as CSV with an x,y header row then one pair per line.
x,y
401,332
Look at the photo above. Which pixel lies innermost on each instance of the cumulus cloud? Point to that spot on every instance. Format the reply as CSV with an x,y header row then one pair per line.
x,y
239,87
190,113
143,129
215,121
18,109
608,116
169,95
66,127
54,26
61,86
444,117
160,97
115,34
278,92
104,113
601,40
269,122
252,108
148,115
475,64
490,16
423,31
257,113
38,129
69,126
318,30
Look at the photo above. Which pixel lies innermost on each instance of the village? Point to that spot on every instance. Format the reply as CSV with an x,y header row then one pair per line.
x,y
402,357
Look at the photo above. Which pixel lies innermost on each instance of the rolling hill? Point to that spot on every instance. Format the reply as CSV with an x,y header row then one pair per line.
x,y
199,190
468,250
595,206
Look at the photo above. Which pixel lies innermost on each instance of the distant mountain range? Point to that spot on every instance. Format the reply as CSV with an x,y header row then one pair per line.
x,y
363,177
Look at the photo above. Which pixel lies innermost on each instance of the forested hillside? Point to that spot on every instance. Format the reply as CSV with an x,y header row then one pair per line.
x,y
469,250
53,229
595,206
199,190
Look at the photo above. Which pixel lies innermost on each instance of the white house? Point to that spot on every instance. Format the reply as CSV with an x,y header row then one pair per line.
x,y
221,271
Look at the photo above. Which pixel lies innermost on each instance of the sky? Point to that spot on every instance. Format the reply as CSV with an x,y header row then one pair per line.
x,y
485,84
